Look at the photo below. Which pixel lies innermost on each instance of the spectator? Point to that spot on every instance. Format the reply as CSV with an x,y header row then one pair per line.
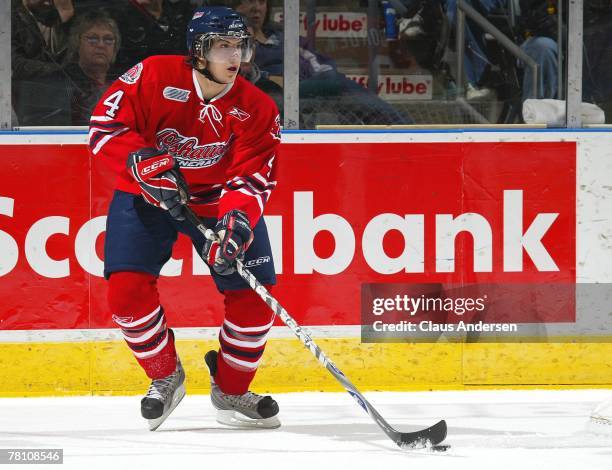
x,y
318,75
538,21
39,36
152,27
252,72
476,60
93,46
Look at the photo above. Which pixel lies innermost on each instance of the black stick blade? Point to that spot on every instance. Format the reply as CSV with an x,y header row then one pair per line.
x,y
424,438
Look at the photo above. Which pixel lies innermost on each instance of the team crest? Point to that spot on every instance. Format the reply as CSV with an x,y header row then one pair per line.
x,y
275,132
131,76
176,94
239,114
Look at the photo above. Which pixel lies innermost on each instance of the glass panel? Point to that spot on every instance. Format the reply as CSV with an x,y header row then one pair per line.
x,y
266,67
405,69
597,64
64,57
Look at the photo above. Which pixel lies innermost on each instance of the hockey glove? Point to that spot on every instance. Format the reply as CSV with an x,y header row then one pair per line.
x,y
160,179
234,235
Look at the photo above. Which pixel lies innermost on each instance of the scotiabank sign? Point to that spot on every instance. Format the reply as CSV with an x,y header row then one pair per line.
x,y
343,215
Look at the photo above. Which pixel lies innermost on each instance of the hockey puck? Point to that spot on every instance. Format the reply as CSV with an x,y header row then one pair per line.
x,y
440,448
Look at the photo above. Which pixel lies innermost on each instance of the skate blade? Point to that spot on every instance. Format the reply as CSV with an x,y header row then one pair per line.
x,y
179,394
238,420
600,425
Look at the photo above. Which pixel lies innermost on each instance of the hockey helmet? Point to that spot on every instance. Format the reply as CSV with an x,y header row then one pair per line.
x,y
210,23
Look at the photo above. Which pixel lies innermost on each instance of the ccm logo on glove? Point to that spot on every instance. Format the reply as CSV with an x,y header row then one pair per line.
x,y
161,182
162,164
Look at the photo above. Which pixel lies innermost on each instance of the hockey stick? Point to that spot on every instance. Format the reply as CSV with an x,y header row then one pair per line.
x,y
428,437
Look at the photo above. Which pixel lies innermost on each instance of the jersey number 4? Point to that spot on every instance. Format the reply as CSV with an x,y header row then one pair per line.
x,y
113,103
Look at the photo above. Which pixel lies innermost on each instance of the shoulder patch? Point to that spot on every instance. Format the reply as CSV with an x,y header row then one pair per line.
x,y
275,132
176,94
239,114
131,76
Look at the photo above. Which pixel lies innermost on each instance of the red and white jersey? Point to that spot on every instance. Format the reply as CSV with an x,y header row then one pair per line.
x,y
227,147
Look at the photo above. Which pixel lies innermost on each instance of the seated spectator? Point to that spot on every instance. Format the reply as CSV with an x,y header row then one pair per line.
x,y
318,75
252,72
476,60
539,27
93,46
421,44
39,37
152,27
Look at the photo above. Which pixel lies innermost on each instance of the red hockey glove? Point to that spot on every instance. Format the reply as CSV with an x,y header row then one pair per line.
x,y
234,237
161,182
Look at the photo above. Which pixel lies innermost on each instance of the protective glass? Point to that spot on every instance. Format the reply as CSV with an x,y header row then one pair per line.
x,y
225,49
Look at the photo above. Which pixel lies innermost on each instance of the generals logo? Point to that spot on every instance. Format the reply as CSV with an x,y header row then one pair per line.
x,y
131,76
188,153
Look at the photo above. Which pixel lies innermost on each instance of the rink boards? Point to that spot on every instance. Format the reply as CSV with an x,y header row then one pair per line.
x,y
58,338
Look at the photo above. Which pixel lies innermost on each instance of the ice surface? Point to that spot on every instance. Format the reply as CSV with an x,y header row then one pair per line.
x,y
487,430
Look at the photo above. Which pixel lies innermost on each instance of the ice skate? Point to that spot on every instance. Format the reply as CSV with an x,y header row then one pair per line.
x,y
242,411
163,397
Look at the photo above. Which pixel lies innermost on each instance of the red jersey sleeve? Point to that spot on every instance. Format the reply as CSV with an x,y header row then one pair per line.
x,y
118,121
252,175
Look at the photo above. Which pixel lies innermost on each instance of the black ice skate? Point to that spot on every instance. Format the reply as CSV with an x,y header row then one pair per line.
x,y
242,411
163,397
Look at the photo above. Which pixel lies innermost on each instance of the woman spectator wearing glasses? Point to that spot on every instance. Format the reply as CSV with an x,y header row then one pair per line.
x,y
93,45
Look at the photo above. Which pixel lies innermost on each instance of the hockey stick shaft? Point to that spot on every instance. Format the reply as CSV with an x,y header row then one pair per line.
x,y
304,337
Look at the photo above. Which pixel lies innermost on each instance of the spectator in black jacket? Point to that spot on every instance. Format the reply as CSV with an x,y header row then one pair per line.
x,y
39,37
152,27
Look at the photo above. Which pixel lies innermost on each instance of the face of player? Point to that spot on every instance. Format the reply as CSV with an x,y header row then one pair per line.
x,y
255,12
224,58
97,47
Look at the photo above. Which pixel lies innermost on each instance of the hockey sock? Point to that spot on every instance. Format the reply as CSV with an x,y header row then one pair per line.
x,y
134,302
243,338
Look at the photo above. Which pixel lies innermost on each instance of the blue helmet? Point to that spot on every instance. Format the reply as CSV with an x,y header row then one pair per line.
x,y
210,22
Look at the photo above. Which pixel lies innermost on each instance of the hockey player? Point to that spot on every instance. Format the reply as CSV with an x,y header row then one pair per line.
x,y
192,132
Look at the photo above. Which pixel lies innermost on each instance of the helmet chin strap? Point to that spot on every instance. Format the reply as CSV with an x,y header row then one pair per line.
x,y
204,71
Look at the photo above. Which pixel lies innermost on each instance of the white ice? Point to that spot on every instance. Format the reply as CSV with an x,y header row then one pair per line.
x,y
487,430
